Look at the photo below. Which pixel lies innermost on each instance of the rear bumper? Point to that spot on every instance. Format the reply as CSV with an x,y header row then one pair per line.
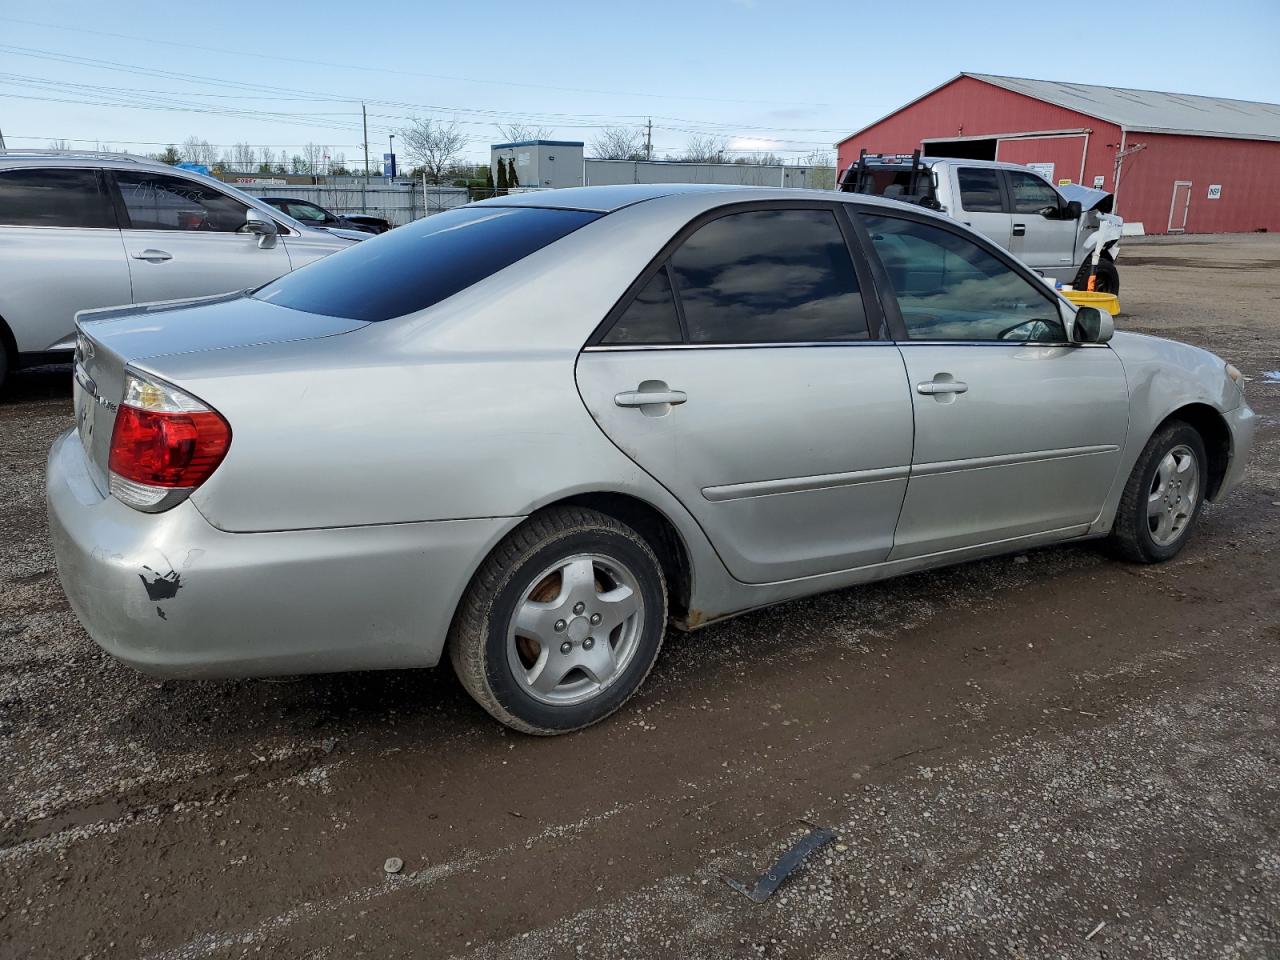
x,y
170,594
1243,424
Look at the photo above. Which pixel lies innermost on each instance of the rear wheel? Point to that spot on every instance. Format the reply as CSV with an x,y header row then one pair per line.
x,y
1162,500
562,622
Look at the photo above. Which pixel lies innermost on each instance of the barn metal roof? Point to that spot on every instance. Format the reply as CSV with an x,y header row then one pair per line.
x,y
1150,111
1141,111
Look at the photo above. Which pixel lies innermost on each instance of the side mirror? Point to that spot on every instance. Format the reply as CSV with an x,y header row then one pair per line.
x,y
1092,325
1074,210
255,221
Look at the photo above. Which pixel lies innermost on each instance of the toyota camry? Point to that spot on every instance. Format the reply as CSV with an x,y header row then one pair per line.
x,y
530,433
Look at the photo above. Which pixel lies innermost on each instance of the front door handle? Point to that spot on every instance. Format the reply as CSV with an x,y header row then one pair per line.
x,y
935,387
153,256
1019,229
643,398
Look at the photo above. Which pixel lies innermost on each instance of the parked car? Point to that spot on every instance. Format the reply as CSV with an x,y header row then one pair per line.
x,y
370,223
85,230
314,215
1011,205
529,432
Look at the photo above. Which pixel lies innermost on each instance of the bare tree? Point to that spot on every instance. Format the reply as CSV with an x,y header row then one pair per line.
x,y
316,157
619,143
705,148
195,150
517,132
244,157
59,145
436,146
821,166
760,158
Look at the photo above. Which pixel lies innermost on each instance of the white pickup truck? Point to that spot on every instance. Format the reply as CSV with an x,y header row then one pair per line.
x,y
1054,231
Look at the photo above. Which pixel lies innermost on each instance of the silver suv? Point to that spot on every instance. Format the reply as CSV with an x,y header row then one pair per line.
x,y
85,230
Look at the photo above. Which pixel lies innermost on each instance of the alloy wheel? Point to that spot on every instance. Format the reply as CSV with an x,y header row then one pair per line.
x,y
575,629
1174,495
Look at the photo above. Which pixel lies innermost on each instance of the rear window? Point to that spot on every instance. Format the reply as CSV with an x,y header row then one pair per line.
x,y
54,198
421,263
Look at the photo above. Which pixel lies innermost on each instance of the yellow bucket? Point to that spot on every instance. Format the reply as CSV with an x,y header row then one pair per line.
x,y
1103,301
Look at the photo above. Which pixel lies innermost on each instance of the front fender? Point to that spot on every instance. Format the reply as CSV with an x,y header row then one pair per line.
x,y
1163,376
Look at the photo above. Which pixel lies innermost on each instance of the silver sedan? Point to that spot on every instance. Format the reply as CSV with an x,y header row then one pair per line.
x,y
533,431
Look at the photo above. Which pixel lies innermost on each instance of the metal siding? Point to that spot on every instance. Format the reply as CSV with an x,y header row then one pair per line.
x,y
1245,169
1063,152
963,108
970,108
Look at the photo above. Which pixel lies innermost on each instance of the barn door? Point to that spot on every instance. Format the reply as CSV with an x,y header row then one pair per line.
x,y
1180,206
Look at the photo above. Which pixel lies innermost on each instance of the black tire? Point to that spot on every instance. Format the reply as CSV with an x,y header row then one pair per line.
x,y
5,366
479,642
1132,538
1106,279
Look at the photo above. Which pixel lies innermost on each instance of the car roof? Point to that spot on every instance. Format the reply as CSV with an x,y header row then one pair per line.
x,y
76,158
602,199
690,196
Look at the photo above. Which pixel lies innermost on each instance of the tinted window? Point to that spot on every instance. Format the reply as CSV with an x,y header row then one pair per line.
x,y
1030,193
769,276
155,201
306,211
949,288
421,263
651,317
53,198
980,190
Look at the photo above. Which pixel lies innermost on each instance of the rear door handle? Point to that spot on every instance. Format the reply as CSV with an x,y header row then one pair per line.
x,y
153,256
1019,229
642,398
934,387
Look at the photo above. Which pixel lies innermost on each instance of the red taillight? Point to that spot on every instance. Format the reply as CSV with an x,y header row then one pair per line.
x,y
167,449
164,444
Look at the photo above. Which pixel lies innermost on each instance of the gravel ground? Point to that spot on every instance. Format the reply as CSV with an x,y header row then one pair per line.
x,y
1051,755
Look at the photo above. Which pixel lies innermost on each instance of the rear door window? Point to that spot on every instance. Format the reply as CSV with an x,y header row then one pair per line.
x,y
421,263
769,276
54,198
980,190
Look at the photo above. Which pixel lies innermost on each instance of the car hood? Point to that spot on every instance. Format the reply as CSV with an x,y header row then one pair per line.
x,y
346,234
207,323
1089,198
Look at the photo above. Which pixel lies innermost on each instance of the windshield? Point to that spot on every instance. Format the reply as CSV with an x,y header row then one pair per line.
x,y
421,263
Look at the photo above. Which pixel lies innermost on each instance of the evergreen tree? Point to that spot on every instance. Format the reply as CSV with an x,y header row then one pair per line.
x,y
488,181
513,180
502,177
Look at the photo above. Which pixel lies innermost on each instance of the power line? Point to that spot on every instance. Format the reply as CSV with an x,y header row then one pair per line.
x,y
275,57
529,117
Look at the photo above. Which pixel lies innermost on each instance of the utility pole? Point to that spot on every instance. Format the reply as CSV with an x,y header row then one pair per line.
x,y
364,189
2,146
648,140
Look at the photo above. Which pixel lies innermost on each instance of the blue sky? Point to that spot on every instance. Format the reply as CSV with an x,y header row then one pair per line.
x,y
788,77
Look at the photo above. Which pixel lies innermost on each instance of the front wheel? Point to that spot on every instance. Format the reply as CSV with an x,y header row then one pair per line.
x,y
562,623
1106,277
1162,500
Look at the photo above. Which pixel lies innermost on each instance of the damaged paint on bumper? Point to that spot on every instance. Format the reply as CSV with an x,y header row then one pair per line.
x,y
170,594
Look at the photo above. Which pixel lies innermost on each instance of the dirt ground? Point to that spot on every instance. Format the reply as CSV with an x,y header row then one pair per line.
x,y
1014,753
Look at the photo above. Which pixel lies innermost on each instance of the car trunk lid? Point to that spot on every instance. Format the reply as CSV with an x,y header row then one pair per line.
x,y
108,341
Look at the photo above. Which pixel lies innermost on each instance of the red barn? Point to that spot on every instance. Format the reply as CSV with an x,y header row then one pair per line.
x,y
1176,163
